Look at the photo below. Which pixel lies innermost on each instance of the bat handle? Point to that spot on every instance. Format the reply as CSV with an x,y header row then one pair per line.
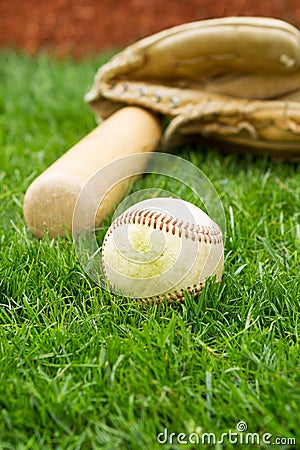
x,y
51,198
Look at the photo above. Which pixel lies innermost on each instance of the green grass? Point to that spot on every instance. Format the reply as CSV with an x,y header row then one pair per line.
x,y
81,369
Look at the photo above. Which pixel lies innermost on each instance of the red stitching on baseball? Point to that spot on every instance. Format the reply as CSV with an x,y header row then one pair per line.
x,y
176,296
204,233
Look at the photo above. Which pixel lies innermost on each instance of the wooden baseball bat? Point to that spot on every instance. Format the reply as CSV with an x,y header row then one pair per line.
x,y
51,198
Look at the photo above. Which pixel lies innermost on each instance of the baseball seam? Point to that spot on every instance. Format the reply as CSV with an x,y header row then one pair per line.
x,y
176,296
161,221
165,222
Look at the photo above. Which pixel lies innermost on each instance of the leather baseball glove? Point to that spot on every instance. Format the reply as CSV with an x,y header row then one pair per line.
x,y
233,80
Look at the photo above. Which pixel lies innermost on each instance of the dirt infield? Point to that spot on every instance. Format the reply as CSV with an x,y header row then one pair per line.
x,y
85,27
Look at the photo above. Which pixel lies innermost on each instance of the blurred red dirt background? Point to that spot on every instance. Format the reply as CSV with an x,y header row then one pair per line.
x,y
86,27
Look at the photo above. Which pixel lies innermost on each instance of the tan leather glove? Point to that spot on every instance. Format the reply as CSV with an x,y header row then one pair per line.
x,y
233,80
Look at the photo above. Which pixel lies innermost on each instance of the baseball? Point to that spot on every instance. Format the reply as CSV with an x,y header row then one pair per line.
x,y
159,248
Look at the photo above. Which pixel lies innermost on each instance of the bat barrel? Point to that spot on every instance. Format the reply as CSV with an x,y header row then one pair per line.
x,y
50,200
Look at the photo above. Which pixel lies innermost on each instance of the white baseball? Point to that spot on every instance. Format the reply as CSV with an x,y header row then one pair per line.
x,y
159,248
